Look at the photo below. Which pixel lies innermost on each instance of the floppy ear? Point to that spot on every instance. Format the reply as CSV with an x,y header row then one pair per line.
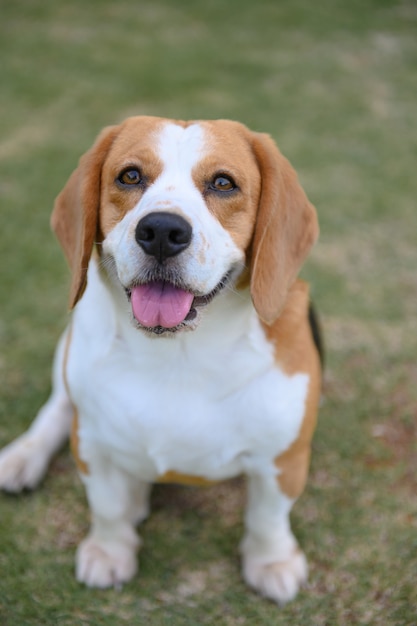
x,y
285,230
75,215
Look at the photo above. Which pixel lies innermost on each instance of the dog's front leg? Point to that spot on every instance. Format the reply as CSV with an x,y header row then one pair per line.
x,y
107,556
273,564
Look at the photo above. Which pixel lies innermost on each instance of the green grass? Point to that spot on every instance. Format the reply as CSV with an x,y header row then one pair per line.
x,y
334,83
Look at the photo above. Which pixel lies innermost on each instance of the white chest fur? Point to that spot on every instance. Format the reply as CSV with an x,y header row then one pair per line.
x,y
210,403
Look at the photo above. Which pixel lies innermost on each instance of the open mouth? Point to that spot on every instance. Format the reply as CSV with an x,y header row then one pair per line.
x,y
160,306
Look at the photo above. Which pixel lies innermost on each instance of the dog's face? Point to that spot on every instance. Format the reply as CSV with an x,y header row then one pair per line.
x,y
181,211
178,202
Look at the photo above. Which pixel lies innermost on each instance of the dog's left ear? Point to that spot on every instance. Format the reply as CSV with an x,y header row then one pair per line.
x,y
286,229
75,215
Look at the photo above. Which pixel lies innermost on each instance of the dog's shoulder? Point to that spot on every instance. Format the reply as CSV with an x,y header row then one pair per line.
x,y
291,334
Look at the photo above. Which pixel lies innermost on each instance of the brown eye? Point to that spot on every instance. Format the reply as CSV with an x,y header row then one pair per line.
x,y
131,176
222,183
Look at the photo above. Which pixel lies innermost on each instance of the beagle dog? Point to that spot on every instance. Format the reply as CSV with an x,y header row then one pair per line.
x,y
190,355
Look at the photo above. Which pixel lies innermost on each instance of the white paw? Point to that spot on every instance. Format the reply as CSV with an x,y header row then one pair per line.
x,y
23,464
279,581
105,564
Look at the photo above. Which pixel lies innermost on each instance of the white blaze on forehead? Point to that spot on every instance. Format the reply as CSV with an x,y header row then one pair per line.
x,y
180,149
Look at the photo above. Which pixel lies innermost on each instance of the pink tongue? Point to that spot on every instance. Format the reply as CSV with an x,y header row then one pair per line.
x,y
160,304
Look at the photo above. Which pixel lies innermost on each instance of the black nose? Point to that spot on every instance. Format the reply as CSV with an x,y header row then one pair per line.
x,y
163,234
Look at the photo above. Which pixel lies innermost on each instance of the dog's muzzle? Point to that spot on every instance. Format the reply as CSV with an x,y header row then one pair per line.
x,y
160,302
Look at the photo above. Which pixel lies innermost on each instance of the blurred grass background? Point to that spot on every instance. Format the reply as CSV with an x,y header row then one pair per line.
x,y
335,84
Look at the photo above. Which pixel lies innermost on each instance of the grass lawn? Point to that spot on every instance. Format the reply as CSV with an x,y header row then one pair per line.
x,y
334,82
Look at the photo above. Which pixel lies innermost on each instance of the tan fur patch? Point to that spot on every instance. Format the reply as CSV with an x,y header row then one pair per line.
x,y
296,353
134,146
184,479
229,153
74,443
286,228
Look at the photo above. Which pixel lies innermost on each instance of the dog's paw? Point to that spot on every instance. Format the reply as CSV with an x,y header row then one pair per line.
x,y
23,464
105,564
278,581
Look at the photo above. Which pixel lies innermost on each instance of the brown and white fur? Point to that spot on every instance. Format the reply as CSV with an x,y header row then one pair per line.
x,y
223,376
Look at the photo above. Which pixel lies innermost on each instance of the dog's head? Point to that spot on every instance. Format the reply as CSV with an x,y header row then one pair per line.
x,y
179,211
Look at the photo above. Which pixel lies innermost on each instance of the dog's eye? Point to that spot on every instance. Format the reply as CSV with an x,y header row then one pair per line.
x,y
130,176
222,183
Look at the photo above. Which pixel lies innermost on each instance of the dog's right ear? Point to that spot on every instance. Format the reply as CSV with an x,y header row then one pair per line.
x,y
75,216
286,229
